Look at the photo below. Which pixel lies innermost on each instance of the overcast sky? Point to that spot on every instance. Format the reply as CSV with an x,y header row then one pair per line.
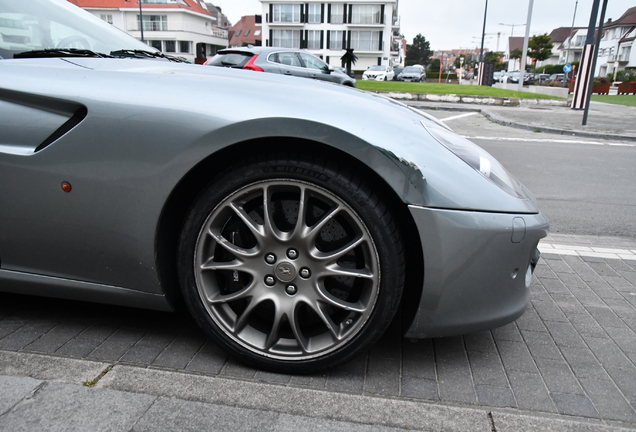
x,y
449,24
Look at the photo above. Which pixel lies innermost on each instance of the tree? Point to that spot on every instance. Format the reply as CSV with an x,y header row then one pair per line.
x,y
348,59
515,53
493,56
434,65
539,48
419,52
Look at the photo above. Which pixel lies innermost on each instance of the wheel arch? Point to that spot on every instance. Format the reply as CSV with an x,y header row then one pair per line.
x,y
181,198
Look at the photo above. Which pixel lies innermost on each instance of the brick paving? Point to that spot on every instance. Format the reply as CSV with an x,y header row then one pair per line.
x,y
573,352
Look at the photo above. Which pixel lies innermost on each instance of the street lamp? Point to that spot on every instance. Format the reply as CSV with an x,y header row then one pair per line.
x,y
512,33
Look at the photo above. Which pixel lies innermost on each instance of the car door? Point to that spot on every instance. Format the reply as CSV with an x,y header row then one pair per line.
x,y
289,63
317,69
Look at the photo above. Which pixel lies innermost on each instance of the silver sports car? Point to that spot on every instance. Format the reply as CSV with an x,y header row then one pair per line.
x,y
292,217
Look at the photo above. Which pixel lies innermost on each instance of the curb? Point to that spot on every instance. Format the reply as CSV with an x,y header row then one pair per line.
x,y
473,100
355,409
495,118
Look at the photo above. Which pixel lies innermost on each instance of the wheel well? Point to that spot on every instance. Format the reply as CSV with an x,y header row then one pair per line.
x,y
183,195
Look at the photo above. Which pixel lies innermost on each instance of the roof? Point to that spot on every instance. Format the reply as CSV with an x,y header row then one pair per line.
x,y
628,18
238,30
559,35
191,5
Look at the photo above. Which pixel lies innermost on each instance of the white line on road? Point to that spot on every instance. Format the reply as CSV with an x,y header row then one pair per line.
x,y
588,251
550,141
459,116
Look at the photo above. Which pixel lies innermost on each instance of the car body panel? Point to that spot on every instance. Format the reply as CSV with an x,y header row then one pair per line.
x,y
150,123
458,246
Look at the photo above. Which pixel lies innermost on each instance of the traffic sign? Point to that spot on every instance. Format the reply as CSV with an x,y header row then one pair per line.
x,y
567,68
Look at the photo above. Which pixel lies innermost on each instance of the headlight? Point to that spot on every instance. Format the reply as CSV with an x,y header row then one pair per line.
x,y
477,158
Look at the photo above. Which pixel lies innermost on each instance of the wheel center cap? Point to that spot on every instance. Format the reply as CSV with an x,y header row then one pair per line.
x,y
285,272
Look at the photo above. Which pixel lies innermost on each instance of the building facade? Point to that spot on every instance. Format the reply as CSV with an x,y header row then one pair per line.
x,y
616,50
327,29
246,32
184,28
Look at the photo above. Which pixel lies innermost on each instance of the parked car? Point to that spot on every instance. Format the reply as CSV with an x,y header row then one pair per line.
x,y
413,73
292,230
344,71
396,72
378,73
557,77
285,61
514,78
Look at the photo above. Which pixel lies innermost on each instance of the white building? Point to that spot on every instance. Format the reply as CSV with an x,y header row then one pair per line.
x,y
327,29
615,50
184,28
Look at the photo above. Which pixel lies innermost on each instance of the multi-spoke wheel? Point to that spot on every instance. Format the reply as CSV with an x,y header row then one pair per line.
x,y
294,272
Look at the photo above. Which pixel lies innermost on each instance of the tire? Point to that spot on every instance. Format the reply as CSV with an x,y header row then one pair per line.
x,y
299,285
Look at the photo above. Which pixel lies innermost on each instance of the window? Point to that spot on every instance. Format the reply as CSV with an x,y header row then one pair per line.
x,y
337,14
286,58
365,40
286,38
366,14
286,13
335,40
107,18
313,39
247,32
155,44
312,62
257,33
184,46
154,22
238,33
170,46
315,13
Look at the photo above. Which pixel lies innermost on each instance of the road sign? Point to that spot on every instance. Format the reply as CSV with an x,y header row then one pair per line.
x,y
567,68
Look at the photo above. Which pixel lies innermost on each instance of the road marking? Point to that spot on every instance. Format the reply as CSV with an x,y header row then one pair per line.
x,y
588,251
550,141
459,116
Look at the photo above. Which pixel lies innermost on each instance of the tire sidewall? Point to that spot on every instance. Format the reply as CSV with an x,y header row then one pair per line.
x,y
347,188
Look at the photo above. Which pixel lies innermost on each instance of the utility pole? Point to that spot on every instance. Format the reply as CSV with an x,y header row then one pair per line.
x,y
141,22
524,53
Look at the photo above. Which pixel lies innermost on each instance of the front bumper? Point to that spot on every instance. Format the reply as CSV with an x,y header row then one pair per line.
x,y
476,269
373,78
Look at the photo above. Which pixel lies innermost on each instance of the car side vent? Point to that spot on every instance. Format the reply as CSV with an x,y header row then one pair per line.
x,y
79,115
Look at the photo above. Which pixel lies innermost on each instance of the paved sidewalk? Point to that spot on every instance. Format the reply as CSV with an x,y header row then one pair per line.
x,y
569,363
605,121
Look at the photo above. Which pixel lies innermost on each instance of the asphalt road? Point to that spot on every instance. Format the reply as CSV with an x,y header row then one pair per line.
x,y
584,186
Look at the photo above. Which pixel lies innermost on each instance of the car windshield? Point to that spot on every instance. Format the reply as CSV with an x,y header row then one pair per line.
x,y
376,68
230,59
34,25
411,69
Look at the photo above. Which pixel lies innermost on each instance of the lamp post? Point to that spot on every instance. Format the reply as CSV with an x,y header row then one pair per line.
x,y
141,22
512,33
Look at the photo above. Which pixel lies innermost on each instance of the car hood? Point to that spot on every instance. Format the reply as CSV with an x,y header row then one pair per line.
x,y
207,109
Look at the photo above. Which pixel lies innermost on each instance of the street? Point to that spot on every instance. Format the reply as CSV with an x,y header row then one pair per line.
x,y
584,186
568,364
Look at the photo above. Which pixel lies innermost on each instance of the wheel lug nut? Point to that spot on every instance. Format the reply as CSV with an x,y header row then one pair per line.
x,y
292,254
291,289
270,258
305,273
269,280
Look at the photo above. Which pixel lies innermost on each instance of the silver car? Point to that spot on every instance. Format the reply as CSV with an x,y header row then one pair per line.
x,y
285,61
293,230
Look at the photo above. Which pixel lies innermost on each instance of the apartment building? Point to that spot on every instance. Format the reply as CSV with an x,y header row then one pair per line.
x,y
184,28
327,29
